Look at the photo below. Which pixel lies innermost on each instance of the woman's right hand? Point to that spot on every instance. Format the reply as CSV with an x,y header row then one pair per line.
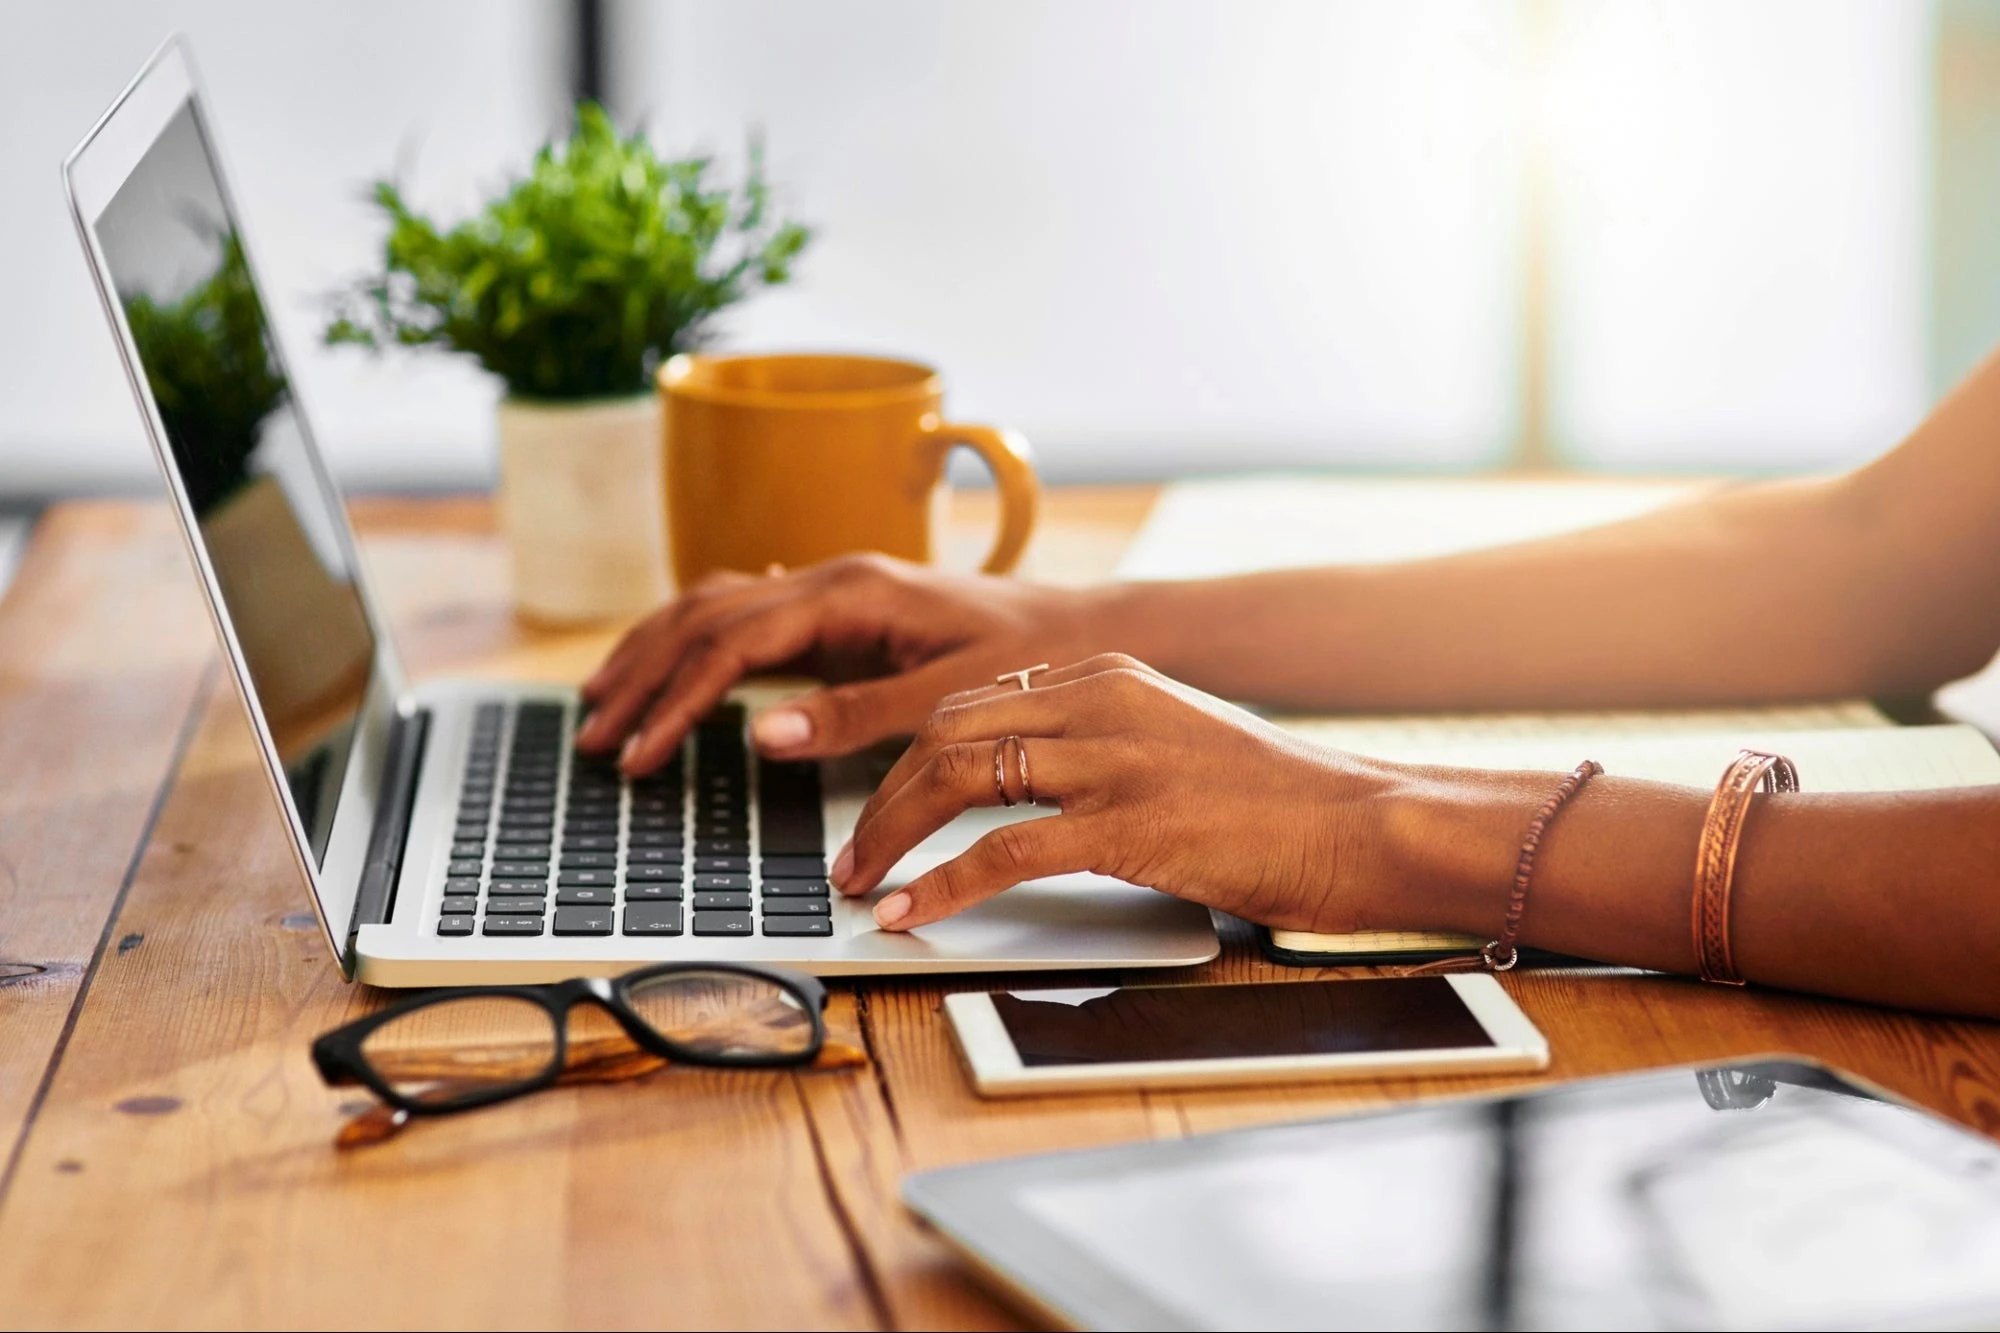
x,y
893,637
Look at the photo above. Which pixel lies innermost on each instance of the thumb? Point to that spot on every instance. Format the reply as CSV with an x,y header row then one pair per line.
x,y
841,719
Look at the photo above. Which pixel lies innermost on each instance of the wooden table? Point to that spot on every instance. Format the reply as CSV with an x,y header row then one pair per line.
x,y
168,1144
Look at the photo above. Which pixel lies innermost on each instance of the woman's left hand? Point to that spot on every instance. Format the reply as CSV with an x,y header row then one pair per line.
x,y
1159,785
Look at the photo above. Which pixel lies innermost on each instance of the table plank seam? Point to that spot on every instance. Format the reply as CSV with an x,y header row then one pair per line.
x,y
850,1230
183,741
864,1020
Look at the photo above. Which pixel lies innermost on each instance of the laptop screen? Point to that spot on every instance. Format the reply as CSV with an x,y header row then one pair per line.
x,y
270,520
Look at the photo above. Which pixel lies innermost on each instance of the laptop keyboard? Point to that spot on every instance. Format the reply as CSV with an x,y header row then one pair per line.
x,y
553,842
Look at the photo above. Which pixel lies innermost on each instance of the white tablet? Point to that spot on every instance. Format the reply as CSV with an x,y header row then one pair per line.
x,y
1777,1195
1042,1041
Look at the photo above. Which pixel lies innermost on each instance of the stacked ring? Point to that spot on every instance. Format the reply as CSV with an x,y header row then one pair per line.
x,y
1000,770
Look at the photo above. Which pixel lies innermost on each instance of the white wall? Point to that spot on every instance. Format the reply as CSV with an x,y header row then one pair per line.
x,y
1155,234
311,102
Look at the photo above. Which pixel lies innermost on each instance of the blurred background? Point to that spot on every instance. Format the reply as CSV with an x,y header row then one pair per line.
x,y
1159,236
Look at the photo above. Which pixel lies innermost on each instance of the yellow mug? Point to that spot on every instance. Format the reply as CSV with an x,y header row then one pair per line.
x,y
791,459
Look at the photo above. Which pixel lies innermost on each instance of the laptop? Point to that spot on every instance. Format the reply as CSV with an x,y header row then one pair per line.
x,y
450,833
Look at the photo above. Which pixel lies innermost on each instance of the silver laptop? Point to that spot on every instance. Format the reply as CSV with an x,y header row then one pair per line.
x,y
449,832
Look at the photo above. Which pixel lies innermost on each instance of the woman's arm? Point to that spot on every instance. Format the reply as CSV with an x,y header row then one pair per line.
x,y
1890,897
1893,898
1883,582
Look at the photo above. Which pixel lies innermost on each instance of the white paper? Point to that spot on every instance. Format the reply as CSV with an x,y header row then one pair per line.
x,y
1237,525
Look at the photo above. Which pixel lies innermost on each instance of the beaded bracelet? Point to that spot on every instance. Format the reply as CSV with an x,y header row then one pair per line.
x,y
1715,855
1501,954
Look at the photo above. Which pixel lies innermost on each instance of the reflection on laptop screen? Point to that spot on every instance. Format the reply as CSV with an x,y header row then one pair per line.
x,y
270,523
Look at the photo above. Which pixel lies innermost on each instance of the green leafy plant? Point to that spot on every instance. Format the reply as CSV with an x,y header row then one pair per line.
x,y
211,373
583,275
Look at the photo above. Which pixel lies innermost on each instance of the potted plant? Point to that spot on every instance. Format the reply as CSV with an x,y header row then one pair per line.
x,y
571,286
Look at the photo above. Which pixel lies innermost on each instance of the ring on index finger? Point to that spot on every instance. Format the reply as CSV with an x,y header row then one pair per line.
x,y
1022,675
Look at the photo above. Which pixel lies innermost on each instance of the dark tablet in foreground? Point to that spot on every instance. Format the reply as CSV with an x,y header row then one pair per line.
x,y
1776,1194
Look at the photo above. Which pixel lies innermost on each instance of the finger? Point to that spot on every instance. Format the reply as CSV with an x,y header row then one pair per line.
x,y
1060,675
1086,705
619,659
654,660
841,719
1003,858
966,777
706,670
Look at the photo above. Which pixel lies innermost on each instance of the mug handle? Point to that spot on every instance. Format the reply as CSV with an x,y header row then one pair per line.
x,y
1009,459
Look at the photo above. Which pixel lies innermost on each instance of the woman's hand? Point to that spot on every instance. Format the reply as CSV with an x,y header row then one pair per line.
x,y
899,636
1159,785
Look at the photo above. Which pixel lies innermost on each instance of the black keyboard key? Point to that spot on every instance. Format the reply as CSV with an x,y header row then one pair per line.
x,y
462,884
655,856
788,809
512,925
520,869
466,866
722,902
589,860
583,920
795,888
537,824
654,874
721,865
460,906
514,904
723,923
713,845
656,823
534,853
454,925
469,851
653,893
798,925
655,838
470,830
575,896
653,919
587,879
589,828
532,837
723,882
520,886
794,867
796,906
589,842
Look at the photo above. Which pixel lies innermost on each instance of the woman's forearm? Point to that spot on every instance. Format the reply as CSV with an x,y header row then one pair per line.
x,y
1887,897
1882,582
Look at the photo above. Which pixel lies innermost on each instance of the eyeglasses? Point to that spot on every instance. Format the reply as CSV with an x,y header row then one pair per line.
x,y
467,1047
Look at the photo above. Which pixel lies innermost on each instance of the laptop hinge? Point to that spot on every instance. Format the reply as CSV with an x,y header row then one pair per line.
x,y
376,899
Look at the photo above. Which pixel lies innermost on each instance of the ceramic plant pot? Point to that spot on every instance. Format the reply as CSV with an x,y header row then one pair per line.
x,y
580,487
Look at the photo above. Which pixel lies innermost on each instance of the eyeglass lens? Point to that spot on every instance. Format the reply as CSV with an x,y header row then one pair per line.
x,y
723,1014
463,1048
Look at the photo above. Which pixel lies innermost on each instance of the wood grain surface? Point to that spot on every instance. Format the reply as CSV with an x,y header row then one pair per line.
x,y
170,1145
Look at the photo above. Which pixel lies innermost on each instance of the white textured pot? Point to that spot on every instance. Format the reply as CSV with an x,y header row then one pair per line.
x,y
583,505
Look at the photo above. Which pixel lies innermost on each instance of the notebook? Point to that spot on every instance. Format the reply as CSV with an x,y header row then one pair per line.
x,y
1840,747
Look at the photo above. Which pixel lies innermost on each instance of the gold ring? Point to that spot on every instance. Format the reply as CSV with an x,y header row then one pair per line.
x,y
1021,675
1000,770
1021,758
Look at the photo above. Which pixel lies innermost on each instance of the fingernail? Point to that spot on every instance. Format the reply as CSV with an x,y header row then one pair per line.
x,y
843,865
587,733
782,729
892,909
627,750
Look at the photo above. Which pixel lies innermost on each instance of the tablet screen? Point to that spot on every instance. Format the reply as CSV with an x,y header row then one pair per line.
x,y
1154,1023
1759,1197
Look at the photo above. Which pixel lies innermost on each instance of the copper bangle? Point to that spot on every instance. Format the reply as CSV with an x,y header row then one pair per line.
x,y
1500,954
1715,855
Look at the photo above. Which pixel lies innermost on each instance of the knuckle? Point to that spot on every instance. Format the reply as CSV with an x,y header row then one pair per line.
x,y
953,769
860,567
1010,851
1108,662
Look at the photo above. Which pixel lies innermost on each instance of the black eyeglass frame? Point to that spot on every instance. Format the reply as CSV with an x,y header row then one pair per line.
x,y
338,1055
